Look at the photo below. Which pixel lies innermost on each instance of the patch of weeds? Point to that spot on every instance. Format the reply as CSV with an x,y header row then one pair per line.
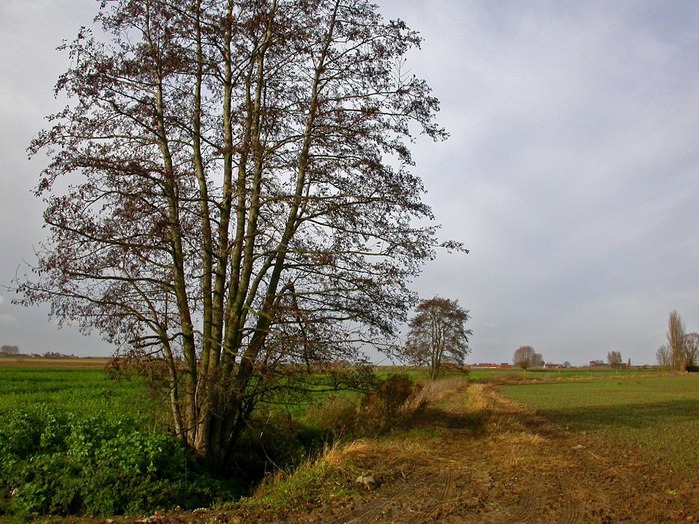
x,y
313,483
336,414
69,464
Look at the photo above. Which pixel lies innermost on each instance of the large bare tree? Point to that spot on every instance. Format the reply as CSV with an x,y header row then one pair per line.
x,y
614,359
230,193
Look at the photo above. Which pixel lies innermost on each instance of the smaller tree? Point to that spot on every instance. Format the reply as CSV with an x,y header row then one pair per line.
x,y
525,357
614,359
438,334
691,349
663,356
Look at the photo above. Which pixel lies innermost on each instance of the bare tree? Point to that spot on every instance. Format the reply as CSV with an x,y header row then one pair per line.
x,y
9,350
230,194
676,341
691,349
525,357
614,359
438,334
662,356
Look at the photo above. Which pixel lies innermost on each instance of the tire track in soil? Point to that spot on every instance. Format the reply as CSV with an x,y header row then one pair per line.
x,y
526,508
444,494
570,512
371,511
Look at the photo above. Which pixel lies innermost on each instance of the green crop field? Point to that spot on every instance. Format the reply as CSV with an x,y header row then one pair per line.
x,y
545,375
76,388
656,417
74,441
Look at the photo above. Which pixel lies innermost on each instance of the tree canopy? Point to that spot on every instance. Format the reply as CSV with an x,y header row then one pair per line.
x,y
682,349
230,193
614,359
438,334
525,357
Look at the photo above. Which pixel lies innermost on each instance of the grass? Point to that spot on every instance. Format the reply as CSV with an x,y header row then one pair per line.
x,y
78,389
655,417
547,375
333,472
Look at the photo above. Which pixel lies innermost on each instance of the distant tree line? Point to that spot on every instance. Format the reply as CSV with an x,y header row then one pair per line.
x,y
9,350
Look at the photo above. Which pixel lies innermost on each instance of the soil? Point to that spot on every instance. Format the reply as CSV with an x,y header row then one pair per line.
x,y
493,462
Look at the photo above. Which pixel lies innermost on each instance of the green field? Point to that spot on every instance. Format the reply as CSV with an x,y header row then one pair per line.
x,y
656,417
73,442
80,389
547,375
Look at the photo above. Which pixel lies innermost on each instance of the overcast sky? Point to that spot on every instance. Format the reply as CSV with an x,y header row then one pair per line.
x,y
571,174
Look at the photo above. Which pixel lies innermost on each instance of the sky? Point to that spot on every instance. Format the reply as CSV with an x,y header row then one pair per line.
x,y
571,173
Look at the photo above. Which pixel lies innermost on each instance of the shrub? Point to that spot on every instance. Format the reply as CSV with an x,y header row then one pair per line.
x,y
385,405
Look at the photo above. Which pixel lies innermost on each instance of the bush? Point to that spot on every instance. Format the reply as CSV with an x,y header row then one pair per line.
x,y
385,405
66,464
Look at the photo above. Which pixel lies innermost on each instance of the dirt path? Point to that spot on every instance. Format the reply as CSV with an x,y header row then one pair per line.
x,y
478,458
497,463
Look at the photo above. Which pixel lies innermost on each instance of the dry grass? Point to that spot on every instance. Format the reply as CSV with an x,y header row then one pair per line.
x,y
386,458
478,400
437,390
58,363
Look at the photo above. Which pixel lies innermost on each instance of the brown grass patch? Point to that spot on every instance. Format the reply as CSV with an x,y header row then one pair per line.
x,y
62,363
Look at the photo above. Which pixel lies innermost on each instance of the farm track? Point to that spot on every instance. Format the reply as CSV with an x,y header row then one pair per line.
x,y
445,491
536,473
